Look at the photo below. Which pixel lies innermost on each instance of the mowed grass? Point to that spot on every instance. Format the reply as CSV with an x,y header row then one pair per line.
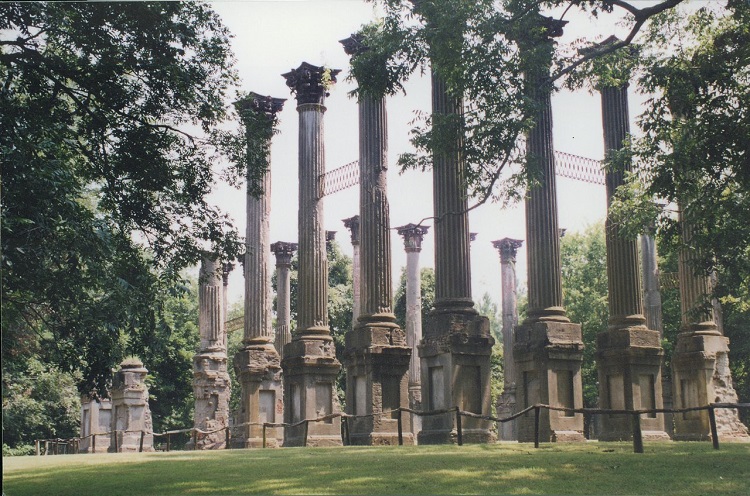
x,y
591,468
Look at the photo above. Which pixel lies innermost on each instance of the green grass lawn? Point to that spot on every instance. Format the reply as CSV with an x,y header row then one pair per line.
x,y
591,468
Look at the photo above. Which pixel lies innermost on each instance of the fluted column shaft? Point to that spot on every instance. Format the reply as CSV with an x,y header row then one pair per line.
x,y
211,315
376,282
623,274
353,224
257,274
508,249
413,236
283,252
651,293
312,315
695,288
452,254
543,239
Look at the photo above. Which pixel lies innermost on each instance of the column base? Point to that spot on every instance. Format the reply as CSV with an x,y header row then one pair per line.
x,y
212,388
548,358
415,403
700,376
310,374
259,371
377,361
629,361
506,406
455,361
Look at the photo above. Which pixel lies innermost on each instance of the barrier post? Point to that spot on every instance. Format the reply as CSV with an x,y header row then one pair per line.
x,y
459,430
400,428
714,430
93,443
304,441
116,447
140,444
226,437
195,438
637,435
264,434
536,425
169,438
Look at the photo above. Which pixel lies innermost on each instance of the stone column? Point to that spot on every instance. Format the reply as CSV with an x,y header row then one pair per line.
x,y
352,223
651,292
258,364
283,252
457,344
628,354
211,383
506,403
548,348
700,362
376,353
413,236
227,268
309,363
130,412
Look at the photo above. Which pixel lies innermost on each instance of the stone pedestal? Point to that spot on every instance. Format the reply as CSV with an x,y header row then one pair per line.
x,y
131,415
376,354
309,363
258,364
548,359
413,236
629,355
701,375
96,417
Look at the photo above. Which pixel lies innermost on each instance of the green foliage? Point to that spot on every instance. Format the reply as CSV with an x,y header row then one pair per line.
x,y
39,402
584,277
105,184
487,307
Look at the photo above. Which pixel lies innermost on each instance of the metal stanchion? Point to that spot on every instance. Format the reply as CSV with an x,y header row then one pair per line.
x,y
537,410
637,435
400,428
459,430
714,430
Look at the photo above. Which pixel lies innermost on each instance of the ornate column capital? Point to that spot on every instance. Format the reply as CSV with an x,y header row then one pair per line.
x,y
354,44
330,238
507,248
264,105
283,251
225,270
352,223
472,236
413,236
310,83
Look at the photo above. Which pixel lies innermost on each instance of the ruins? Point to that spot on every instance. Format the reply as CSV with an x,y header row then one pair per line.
x,y
131,426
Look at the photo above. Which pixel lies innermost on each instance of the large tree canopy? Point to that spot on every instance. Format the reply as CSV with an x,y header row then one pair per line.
x,y
108,115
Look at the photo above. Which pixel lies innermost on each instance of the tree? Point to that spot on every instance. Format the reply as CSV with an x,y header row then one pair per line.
x,y
108,112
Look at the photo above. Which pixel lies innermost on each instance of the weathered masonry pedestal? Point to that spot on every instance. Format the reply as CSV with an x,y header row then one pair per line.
x,y
506,403
548,348
628,354
309,363
413,236
131,415
700,363
376,354
258,364
96,417
211,383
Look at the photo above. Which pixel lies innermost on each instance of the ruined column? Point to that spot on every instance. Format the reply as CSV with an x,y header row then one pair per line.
x,y
131,414
628,354
309,363
457,344
376,353
413,236
96,418
700,362
506,403
548,348
258,364
211,384
283,252
352,223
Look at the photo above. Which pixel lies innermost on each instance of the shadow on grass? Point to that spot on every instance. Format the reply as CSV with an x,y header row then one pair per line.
x,y
591,468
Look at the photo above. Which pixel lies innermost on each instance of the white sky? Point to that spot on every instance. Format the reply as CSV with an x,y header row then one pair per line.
x,y
272,37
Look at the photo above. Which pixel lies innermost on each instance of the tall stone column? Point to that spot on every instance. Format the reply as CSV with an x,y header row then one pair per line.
x,y
457,344
258,364
413,236
651,292
309,363
700,362
211,384
628,354
227,269
549,348
506,403
283,252
376,354
352,223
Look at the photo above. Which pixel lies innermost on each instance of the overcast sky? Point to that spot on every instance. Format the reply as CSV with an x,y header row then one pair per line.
x,y
272,37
